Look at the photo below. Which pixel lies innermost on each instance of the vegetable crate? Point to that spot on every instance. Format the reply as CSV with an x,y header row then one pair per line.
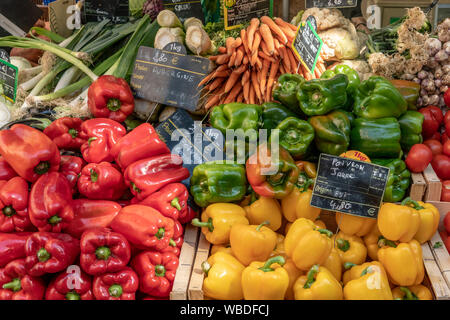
x,y
187,255
425,186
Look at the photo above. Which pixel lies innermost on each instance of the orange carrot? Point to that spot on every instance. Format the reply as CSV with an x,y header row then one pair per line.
x,y
244,38
232,59
268,38
278,46
254,24
255,85
285,59
292,61
223,58
264,72
264,48
275,29
245,60
216,83
212,101
272,77
237,43
280,22
306,74
222,50
239,56
222,74
229,42
264,56
252,98
234,77
234,92
240,70
206,79
259,63
247,91
240,97
245,77
213,58
222,67
282,69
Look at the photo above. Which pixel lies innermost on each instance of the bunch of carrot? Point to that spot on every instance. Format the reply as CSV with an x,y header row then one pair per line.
x,y
248,66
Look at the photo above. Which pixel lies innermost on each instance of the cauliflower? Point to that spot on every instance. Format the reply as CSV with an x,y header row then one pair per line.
x,y
343,44
325,18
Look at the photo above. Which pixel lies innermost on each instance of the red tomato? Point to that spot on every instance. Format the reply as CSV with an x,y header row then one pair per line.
x,y
446,239
436,136
447,244
444,137
445,194
441,165
434,145
419,157
446,148
447,117
447,222
433,119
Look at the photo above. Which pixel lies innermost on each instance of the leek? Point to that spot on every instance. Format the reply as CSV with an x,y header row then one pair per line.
x,y
46,33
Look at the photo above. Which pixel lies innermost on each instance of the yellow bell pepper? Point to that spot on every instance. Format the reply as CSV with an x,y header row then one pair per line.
x,y
354,225
334,264
418,292
398,222
294,273
367,282
223,277
320,224
307,245
221,248
265,209
252,243
265,280
279,248
287,227
217,220
318,284
296,205
350,248
371,242
307,167
403,262
429,221
354,271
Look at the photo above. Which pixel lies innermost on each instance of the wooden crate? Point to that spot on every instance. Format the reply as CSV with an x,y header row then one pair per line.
x,y
418,186
425,186
197,276
187,256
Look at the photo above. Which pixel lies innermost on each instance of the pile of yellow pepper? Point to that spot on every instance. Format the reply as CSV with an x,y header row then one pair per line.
x,y
267,250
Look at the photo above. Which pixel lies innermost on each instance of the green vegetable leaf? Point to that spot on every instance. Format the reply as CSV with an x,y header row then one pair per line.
x,y
437,245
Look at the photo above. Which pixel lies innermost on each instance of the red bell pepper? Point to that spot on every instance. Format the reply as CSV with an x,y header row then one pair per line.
x,y
50,203
144,227
177,240
110,97
14,206
444,138
433,120
101,182
66,133
71,284
156,272
71,168
121,285
103,251
102,135
170,201
143,142
91,214
50,252
190,215
147,176
16,284
29,152
12,246
6,172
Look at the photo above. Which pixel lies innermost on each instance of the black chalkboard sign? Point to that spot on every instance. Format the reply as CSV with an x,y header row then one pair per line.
x,y
349,186
331,3
185,9
169,78
8,80
238,12
307,44
4,55
117,11
188,139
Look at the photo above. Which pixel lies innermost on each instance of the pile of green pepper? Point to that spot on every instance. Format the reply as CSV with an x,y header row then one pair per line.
x,y
331,115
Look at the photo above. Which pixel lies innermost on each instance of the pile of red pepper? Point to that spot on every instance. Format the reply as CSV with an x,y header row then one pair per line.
x,y
70,227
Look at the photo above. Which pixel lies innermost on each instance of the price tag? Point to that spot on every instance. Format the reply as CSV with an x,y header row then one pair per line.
x,y
307,44
4,55
8,80
117,11
349,186
238,12
175,47
169,78
331,3
185,9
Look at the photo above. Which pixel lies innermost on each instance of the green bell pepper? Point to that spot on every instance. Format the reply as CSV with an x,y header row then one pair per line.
x,y
349,114
273,114
332,132
377,138
218,181
236,116
285,91
320,96
294,135
398,181
353,81
411,127
378,98
409,90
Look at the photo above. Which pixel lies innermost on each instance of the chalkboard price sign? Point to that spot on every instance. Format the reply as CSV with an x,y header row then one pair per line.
x,y
185,8
168,77
238,12
307,44
331,3
349,186
4,55
8,80
117,11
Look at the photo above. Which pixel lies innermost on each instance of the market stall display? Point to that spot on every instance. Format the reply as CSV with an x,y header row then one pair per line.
x,y
88,183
